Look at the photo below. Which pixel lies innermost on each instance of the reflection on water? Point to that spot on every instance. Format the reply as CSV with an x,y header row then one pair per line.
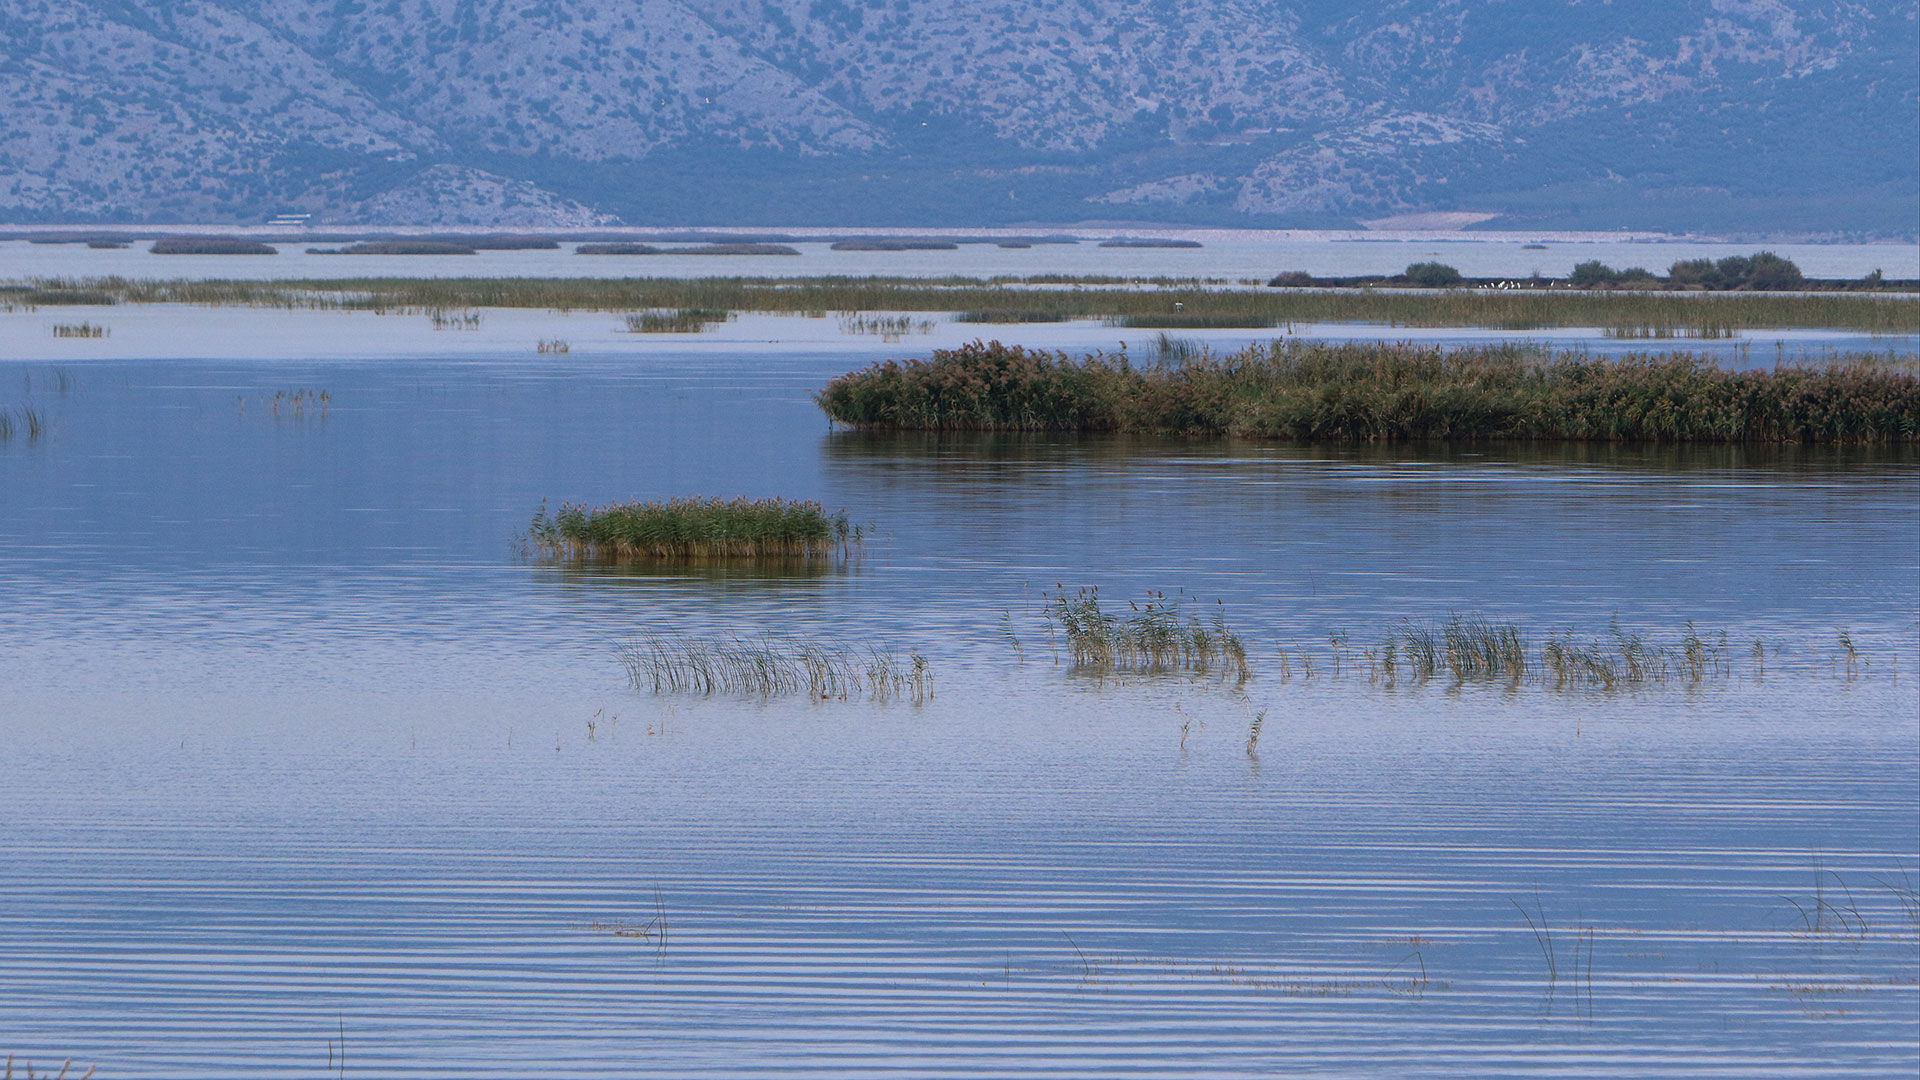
x,y
300,744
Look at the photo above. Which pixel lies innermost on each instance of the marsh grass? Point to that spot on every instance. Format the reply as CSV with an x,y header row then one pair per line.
x,y
1157,634
1196,320
1012,316
210,245
1370,392
681,321
1055,296
694,529
770,667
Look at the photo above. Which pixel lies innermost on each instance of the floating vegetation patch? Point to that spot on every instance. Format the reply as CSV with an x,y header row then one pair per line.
x,y
210,245
1367,392
769,667
1155,634
694,529
683,321
79,330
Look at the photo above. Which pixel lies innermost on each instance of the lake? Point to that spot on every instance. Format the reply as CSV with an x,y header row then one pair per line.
x,y
302,751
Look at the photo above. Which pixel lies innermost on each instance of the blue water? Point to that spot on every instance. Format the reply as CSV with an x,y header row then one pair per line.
x,y
299,747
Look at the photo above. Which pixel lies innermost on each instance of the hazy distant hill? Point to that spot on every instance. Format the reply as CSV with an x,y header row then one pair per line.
x,y
1747,115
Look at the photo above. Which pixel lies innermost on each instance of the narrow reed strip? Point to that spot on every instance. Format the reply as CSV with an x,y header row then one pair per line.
x,y
769,667
1040,298
694,529
1310,391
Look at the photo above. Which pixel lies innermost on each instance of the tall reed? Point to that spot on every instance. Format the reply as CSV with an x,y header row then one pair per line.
x,y
1383,393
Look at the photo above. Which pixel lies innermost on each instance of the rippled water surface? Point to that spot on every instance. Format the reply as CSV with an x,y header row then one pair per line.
x,y
299,748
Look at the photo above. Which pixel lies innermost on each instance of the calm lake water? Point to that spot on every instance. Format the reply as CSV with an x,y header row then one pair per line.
x,y
298,746
1229,254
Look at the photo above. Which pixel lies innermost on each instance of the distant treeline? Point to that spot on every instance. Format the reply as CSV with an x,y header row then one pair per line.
x,y
1384,393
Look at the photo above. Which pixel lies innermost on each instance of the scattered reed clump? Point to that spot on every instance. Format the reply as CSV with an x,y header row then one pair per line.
x,y
1312,391
1154,636
553,346
769,667
694,529
79,330
683,321
65,1068
210,245
454,320
886,327
26,418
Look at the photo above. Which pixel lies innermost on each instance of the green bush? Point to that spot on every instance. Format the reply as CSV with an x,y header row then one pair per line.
x,y
1433,275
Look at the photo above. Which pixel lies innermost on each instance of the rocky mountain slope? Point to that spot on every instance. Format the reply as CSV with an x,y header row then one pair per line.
x,y
1749,115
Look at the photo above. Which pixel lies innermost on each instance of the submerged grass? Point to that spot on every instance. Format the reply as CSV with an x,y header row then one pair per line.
x,y
769,667
1368,392
1053,297
694,529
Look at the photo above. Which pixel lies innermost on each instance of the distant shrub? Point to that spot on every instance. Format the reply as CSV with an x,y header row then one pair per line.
x,y
506,243
210,245
616,249
1433,275
1592,274
1290,279
1760,271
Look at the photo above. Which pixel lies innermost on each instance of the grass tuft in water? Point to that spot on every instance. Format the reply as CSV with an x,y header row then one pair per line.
x,y
694,529
768,667
1157,634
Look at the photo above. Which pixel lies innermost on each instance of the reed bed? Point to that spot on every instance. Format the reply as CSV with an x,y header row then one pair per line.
x,y
1157,634
210,245
1058,296
694,529
79,330
1384,393
769,667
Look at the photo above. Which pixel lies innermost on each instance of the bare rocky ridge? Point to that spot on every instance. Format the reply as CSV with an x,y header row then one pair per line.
x,y
1710,114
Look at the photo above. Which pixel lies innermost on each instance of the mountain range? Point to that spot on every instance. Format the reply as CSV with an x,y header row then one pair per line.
x,y
1720,116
